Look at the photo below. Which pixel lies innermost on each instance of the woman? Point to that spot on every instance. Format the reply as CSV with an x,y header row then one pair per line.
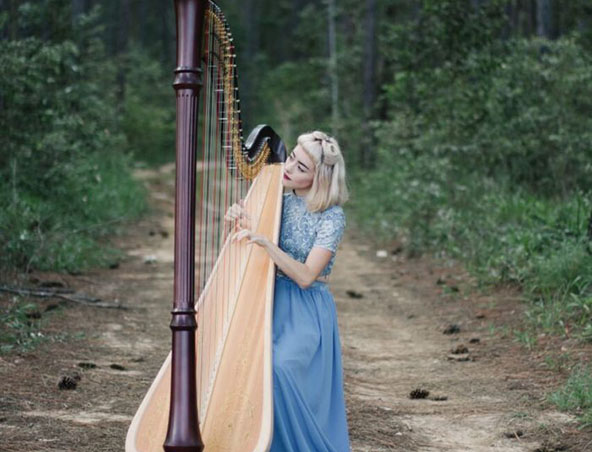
x,y
309,405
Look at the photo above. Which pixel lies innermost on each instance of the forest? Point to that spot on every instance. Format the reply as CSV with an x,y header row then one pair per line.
x,y
466,127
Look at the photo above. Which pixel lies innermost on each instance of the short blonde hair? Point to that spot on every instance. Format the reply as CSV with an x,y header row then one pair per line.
x,y
328,186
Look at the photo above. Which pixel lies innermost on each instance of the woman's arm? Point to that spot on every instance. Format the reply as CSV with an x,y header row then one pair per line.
x,y
304,274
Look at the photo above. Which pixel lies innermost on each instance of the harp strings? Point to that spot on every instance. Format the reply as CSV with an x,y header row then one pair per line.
x,y
225,173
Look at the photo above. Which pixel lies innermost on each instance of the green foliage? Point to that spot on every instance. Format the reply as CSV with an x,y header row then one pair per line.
x,y
64,179
486,156
292,95
576,394
444,35
20,326
505,235
148,120
525,115
307,110
23,325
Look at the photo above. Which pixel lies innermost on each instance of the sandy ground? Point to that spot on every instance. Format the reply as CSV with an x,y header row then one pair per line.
x,y
393,314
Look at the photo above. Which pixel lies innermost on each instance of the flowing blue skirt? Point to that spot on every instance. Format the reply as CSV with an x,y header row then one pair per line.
x,y
308,399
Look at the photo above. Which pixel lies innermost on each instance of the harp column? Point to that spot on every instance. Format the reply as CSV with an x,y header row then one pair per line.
x,y
183,429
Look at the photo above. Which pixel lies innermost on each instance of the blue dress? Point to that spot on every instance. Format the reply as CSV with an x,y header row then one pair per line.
x,y
308,398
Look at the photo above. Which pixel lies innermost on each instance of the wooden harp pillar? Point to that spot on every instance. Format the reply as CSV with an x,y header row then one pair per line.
x,y
183,429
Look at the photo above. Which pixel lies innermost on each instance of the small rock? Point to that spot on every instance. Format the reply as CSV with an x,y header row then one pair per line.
x,y
150,259
397,249
460,348
114,265
439,398
461,357
87,365
452,329
480,315
33,315
474,340
514,434
381,254
50,284
354,294
117,367
164,234
549,446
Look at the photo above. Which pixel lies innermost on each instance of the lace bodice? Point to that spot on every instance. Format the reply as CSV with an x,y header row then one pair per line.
x,y
302,230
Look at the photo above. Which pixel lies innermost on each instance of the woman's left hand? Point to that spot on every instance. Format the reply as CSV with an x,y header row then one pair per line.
x,y
251,237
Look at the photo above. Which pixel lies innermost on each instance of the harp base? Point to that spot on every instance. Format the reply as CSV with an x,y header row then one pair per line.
x,y
183,430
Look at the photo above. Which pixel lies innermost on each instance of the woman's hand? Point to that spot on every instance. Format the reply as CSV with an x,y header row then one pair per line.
x,y
251,237
238,211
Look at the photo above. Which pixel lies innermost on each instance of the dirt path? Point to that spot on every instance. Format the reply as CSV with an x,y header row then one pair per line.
x,y
394,343
392,316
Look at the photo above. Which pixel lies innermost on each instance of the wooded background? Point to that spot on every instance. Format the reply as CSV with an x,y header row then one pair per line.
x,y
466,127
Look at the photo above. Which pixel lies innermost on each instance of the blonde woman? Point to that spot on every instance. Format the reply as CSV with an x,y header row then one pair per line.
x,y
309,404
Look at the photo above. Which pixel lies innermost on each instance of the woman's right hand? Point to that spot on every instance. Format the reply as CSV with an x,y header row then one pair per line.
x,y
237,211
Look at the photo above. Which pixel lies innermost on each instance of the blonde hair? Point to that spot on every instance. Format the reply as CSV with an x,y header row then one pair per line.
x,y
328,186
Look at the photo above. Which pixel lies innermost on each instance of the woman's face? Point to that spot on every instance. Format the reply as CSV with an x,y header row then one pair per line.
x,y
298,170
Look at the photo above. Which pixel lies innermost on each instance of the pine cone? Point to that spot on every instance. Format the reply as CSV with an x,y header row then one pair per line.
x,y
67,382
419,393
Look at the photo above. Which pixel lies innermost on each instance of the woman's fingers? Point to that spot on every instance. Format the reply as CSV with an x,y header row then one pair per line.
x,y
244,223
241,235
237,211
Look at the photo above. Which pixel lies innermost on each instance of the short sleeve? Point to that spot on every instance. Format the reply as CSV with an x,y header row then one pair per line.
x,y
330,229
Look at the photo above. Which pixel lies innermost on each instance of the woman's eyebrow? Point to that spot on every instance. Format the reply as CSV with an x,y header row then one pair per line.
x,y
302,164
294,153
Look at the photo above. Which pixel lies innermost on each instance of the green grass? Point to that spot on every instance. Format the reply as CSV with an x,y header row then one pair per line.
x,y
23,326
20,326
68,230
504,235
576,395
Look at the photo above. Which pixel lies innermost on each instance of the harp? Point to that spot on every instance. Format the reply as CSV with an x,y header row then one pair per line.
x,y
215,387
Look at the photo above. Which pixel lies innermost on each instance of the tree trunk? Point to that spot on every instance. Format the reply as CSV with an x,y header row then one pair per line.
x,y
78,8
122,39
333,68
247,72
369,61
12,23
543,18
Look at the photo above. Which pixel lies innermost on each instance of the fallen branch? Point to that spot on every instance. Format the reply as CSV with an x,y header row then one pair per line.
x,y
81,299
